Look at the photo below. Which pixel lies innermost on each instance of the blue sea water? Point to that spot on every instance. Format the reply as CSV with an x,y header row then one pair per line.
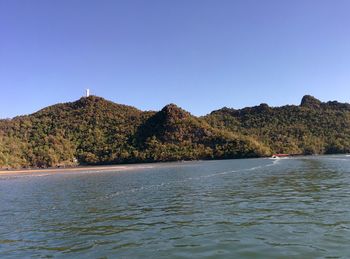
x,y
249,208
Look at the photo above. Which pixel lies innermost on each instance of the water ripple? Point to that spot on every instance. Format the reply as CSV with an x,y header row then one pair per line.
x,y
285,208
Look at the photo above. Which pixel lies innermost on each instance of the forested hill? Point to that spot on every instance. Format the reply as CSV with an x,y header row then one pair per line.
x,y
96,131
313,127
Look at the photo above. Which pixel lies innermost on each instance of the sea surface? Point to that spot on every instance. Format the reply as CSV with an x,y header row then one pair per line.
x,y
252,208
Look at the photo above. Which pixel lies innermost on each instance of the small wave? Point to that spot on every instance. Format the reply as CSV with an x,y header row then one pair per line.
x,y
10,177
337,159
157,186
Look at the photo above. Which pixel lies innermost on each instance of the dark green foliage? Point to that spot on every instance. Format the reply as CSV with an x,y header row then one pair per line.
x,y
96,131
311,128
174,134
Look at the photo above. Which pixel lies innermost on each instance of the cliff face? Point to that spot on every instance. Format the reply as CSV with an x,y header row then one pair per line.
x,y
96,131
309,101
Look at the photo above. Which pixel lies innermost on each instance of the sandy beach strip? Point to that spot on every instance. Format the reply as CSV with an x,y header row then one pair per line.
x,y
110,168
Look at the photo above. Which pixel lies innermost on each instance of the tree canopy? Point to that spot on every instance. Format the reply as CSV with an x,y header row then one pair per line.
x,y
96,131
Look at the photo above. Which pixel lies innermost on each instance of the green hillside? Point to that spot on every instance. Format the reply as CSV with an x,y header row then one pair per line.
x,y
96,131
312,127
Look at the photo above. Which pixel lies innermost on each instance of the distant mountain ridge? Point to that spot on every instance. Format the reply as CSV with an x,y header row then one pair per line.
x,y
93,130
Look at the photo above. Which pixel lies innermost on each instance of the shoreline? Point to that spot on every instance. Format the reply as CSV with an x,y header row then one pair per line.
x,y
98,168
115,167
122,167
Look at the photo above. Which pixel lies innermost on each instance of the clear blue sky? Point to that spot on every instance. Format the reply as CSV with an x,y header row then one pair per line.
x,y
199,54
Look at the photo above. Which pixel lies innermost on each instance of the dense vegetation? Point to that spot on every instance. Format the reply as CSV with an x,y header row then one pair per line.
x,y
96,131
311,128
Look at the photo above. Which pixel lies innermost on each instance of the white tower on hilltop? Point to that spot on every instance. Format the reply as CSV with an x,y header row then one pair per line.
x,y
87,92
